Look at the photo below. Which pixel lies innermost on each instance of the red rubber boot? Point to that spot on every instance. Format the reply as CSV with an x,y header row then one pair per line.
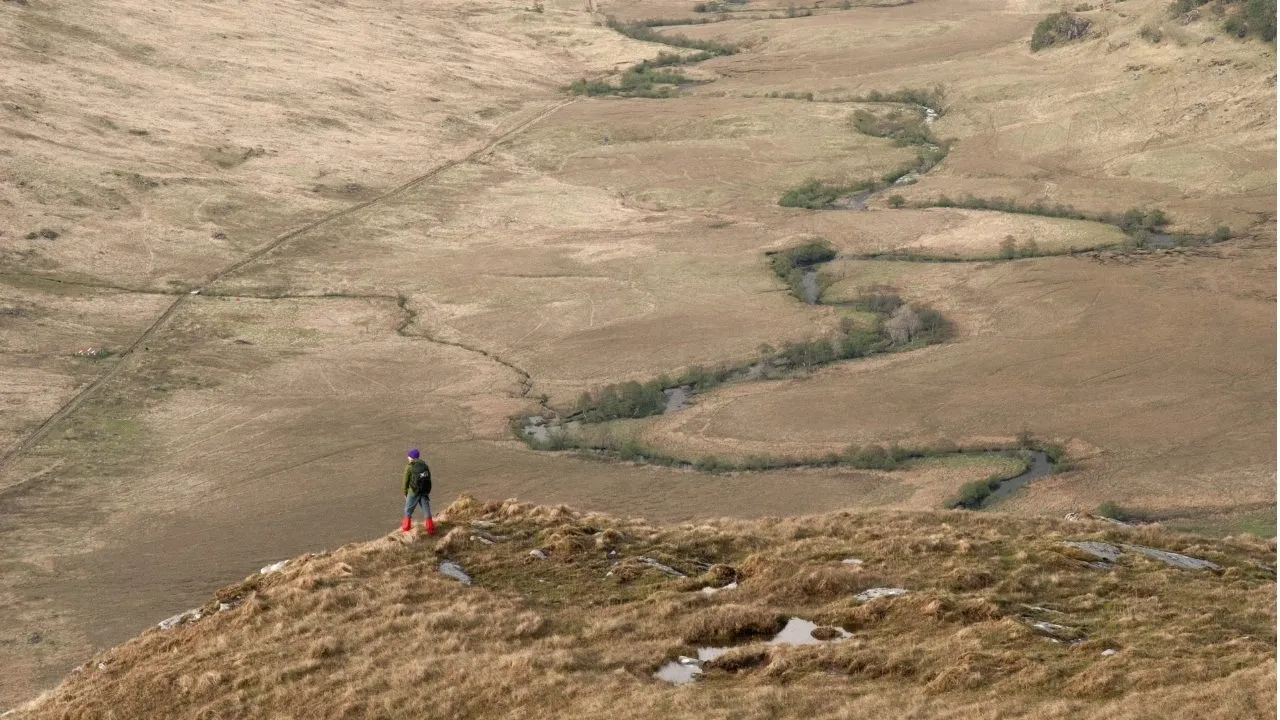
x,y
406,523
430,525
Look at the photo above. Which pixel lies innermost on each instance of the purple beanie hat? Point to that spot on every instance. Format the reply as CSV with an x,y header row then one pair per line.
x,y
413,452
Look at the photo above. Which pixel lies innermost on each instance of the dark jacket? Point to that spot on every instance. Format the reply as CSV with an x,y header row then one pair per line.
x,y
408,475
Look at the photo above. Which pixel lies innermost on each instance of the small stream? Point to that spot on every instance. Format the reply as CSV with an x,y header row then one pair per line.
x,y
811,289
858,201
677,398
1040,466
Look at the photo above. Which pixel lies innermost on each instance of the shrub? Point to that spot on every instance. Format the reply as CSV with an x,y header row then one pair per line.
x,y
872,457
934,327
638,81
666,59
880,300
810,253
1235,25
710,464
1151,34
904,128
1057,29
809,354
1132,221
931,99
1008,248
973,494
788,264
860,343
897,201
623,400
644,31
815,194
902,325
665,22
1261,15
1221,233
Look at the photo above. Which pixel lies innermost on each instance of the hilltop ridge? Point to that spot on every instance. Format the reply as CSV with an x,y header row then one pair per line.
x,y
570,614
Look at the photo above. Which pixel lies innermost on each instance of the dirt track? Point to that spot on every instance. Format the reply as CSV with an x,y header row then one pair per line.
x,y
44,428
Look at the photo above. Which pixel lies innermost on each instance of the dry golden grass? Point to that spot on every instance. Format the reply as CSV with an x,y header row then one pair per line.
x,y
372,630
169,145
950,233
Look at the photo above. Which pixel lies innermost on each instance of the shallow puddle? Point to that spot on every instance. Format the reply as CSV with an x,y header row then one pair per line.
x,y
797,631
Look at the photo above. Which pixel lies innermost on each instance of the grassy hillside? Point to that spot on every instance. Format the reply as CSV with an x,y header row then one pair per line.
x,y
569,615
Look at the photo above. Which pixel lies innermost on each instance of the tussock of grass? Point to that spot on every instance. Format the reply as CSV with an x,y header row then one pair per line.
x,y
728,624
372,626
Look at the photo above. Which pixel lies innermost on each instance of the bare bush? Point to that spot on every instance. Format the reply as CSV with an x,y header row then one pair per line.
x,y
903,325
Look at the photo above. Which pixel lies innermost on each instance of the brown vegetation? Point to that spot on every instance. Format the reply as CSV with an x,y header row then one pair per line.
x,y
372,629
403,231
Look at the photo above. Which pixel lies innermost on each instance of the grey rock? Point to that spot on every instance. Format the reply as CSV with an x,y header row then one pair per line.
x,y
176,620
1186,562
451,569
660,567
873,593
1103,551
1054,630
274,567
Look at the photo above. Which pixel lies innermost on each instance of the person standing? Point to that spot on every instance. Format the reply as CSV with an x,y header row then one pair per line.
x,y
417,491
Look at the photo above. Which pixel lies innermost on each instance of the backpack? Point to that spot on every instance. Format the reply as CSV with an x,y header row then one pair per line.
x,y
419,478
